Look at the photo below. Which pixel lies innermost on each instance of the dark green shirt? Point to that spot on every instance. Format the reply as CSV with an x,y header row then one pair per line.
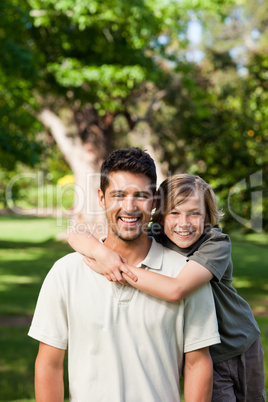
x,y
237,326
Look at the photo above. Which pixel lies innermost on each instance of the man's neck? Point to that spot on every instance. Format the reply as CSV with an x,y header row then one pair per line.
x,y
133,251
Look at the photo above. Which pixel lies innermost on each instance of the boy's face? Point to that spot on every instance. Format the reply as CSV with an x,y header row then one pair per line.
x,y
184,224
128,201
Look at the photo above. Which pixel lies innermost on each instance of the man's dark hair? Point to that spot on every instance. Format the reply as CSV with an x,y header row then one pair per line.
x,y
132,160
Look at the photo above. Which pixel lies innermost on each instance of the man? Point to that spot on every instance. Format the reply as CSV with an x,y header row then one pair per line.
x,y
123,345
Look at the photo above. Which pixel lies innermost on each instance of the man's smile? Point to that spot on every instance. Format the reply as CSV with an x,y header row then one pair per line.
x,y
129,220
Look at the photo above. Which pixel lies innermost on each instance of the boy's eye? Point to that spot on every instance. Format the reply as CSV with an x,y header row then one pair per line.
x,y
174,213
194,213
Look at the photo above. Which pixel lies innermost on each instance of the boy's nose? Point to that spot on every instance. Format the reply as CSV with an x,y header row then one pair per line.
x,y
183,220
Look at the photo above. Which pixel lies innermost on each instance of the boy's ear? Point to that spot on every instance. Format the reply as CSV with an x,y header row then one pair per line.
x,y
101,198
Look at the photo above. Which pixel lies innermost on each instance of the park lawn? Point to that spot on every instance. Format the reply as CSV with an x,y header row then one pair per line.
x,y
251,273
30,229
28,248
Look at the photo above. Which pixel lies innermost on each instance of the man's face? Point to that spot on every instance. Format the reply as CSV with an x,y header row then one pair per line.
x,y
128,201
184,224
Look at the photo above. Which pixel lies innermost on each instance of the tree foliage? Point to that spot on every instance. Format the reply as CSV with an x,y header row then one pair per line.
x,y
217,123
111,68
18,126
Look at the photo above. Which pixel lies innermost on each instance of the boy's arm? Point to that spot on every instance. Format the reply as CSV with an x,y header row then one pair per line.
x,y
49,386
209,260
190,278
83,242
109,263
198,376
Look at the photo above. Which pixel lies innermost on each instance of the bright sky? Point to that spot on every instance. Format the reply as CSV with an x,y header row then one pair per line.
x,y
194,35
194,32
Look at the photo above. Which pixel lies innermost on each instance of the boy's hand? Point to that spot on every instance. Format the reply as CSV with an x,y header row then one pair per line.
x,y
111,265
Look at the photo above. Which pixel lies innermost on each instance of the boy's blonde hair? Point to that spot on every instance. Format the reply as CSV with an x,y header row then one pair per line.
x,y
179,188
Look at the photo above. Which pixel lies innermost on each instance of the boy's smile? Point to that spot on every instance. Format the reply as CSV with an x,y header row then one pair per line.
x,y
184,224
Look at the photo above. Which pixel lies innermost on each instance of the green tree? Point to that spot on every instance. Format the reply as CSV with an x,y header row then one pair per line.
x,y
73,65
216,122
86,67
18,73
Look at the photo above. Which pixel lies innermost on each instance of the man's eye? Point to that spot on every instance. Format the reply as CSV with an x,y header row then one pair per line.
x,y
142,196
118,195
194,213
174,213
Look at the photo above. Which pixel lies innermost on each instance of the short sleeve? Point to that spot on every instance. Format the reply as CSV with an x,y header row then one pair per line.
x,y
200,321
49,324
214,253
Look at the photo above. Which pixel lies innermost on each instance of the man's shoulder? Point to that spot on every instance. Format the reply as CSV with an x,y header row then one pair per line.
x,y
68,261
171,261
71,257
171,256
167,252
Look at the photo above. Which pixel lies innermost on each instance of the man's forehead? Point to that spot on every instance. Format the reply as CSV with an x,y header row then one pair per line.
x,y
127,181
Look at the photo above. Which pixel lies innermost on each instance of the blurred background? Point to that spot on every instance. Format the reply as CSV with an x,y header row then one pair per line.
x,y
186,80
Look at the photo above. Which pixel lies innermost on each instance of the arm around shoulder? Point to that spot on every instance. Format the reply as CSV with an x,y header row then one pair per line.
x,y
49,385
191,277
100,258
84,242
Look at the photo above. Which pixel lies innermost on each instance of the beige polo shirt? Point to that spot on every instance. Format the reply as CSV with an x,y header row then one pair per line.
x,y
123,345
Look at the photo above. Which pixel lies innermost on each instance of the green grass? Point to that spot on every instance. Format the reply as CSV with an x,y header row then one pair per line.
x,y
48,196
28,248
251,273
29,229
18,353
263,325
16,361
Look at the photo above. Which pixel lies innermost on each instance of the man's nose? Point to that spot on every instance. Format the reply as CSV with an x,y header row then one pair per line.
x,y
130,204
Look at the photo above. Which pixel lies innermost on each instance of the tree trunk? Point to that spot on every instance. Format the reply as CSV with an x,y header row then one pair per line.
x,y
84,158
85,151
142,136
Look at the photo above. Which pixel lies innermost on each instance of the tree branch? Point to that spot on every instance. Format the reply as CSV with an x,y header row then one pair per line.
x,y
59,132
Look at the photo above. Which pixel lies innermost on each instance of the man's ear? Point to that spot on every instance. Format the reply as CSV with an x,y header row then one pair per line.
x,y
101,198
